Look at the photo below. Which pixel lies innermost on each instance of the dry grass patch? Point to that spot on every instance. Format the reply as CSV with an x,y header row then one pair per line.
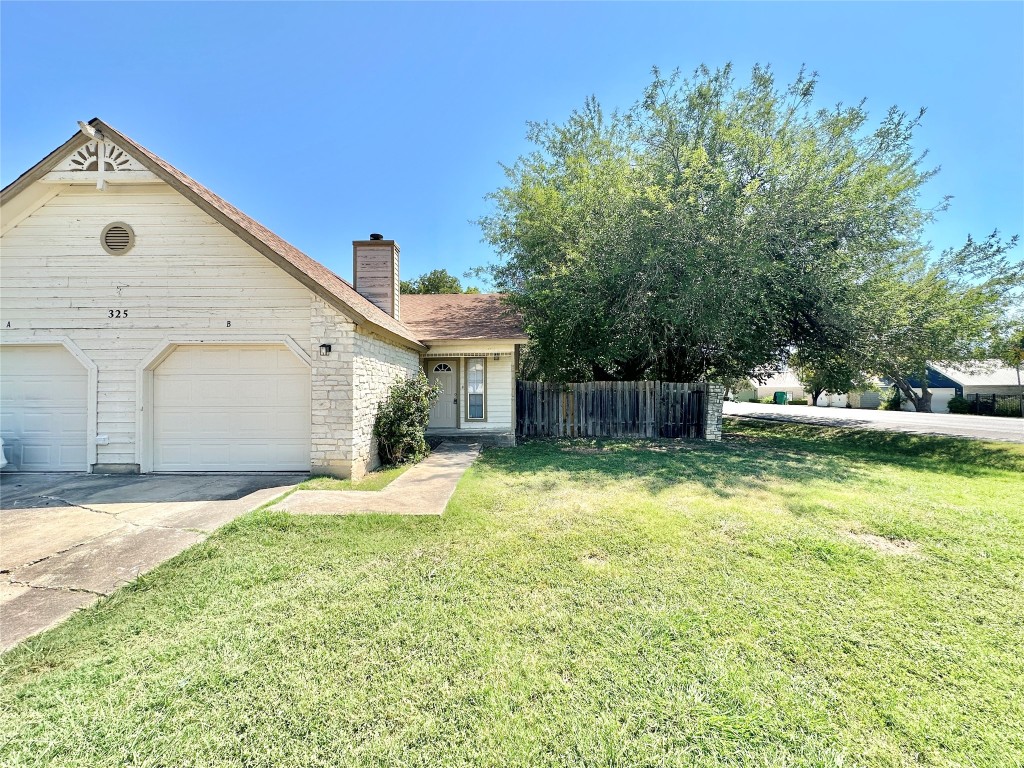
x,y
885,545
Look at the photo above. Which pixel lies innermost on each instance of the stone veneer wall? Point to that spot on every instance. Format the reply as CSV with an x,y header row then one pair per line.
x,y
332,381
713,412
377,364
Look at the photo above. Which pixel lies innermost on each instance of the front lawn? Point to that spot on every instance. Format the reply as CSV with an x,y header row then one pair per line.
x,y
794,596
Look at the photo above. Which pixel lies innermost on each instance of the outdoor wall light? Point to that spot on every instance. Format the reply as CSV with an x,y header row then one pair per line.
x,y
325,350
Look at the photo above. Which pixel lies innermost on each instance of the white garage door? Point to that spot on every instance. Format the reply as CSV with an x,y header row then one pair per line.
x,y
231,409
43,413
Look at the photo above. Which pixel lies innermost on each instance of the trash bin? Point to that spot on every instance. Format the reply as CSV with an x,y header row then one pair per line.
x,y
781,398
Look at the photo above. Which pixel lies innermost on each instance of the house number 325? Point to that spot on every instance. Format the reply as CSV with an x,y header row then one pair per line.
x,y
117,313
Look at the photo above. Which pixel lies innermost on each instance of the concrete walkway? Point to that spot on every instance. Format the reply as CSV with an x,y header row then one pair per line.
x,y
68,539
422,490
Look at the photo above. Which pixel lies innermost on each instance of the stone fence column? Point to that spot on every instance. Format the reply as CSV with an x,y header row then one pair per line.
x,y
713,411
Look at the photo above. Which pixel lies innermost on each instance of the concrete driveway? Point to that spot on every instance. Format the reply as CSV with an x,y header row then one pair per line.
x,y
68,539
948,424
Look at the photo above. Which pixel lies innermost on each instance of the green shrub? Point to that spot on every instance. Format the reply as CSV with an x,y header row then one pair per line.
x,y
958,404
892,402
767,400
402,420
798,401
1007,406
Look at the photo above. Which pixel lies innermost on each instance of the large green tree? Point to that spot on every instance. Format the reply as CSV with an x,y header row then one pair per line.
x,y
1009,348
948,309
436,281
836,372
704,233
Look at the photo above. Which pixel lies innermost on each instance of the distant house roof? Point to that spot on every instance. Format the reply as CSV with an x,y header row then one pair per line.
x,y
985,373
782,380
451,316
306,270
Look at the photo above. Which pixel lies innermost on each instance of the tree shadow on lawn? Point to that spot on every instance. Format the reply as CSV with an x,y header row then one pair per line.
x,y
756,454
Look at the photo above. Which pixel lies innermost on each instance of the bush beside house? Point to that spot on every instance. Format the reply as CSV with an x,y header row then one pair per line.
x,y
402,420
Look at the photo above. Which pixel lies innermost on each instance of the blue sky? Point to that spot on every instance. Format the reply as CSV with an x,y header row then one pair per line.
x,y
328,121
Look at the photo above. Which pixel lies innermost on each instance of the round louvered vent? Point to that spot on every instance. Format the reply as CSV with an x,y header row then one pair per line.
x,y
117,238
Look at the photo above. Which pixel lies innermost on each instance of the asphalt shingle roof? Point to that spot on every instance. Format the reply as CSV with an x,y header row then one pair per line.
x,y
451,316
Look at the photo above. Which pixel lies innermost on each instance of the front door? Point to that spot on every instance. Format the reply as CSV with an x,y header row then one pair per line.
x,y
445,408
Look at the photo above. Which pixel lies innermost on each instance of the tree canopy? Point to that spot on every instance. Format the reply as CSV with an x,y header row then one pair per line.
x,y
949,309
709,230
436,281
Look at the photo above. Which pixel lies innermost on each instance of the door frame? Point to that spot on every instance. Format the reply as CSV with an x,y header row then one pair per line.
x,y
92,388
456,365
144,381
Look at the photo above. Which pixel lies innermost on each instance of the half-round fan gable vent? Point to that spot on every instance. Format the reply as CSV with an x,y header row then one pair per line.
x,y
117,238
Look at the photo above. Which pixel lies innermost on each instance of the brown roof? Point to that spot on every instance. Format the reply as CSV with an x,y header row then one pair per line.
x,y
311,273
450,316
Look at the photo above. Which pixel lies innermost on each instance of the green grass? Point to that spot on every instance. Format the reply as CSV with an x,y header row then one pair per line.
x,y
373,481
579,604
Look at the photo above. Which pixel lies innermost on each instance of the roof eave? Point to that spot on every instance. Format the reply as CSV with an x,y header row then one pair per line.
x,y
476,339
40,169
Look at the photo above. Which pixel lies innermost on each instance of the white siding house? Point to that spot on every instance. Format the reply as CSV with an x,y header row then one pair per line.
x,y
148,325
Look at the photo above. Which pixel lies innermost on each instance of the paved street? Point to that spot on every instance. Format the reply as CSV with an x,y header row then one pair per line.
x,y
980,427
68,539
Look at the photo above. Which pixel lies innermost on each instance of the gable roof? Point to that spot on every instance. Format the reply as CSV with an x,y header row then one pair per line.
x,y
451,316
984,373
306,270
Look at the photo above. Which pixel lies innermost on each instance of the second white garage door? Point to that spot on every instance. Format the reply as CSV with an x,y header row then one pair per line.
x,y
231,409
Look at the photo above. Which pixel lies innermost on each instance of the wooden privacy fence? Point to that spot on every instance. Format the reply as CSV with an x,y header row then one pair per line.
x,y
610,409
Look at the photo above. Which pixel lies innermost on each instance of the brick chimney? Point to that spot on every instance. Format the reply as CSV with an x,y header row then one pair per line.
x,y
375,272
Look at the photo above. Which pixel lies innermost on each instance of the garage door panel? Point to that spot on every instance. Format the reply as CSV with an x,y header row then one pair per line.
x,y
43,407
35,455
36,424
290,389
72,454
231,409
170,391
169,454
286,423
261,359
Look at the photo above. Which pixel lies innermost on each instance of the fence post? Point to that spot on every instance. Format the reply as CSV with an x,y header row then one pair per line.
x,y
715,394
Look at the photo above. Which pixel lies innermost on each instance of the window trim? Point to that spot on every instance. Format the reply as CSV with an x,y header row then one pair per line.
x,y
465,383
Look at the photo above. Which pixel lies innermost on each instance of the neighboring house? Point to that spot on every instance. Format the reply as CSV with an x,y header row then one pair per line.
x,y
788,382
869,399
147,325
986,377
784,381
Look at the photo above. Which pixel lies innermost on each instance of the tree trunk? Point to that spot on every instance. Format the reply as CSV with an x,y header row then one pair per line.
x,y
815,394
922,402
1020,395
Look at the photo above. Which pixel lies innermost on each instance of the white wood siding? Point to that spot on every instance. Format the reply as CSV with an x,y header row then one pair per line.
x,y
186,274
